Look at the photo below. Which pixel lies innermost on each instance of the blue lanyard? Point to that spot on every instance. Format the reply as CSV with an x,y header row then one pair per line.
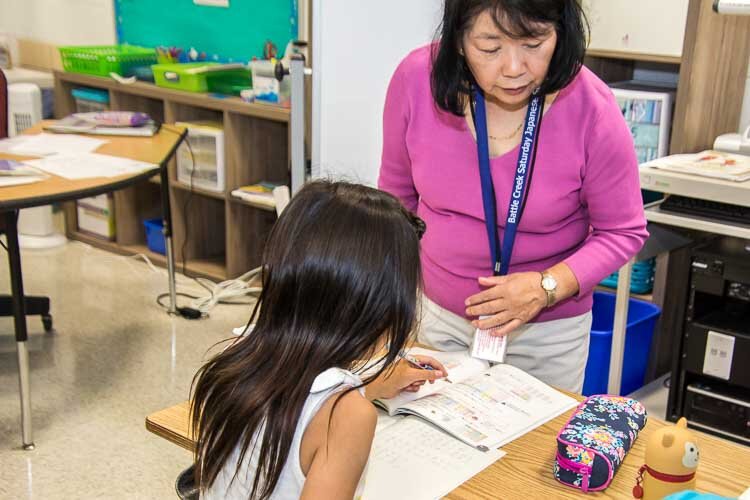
x,y
522,179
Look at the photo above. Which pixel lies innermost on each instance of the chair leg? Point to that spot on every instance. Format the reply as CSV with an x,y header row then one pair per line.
x,y
47,322
33,305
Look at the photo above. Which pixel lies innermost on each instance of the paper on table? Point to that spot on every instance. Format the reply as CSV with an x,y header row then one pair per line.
x,y
85,165
414,460
49,144
6,181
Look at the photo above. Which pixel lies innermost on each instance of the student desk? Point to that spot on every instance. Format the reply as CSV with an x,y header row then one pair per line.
x,y
526,470
157,150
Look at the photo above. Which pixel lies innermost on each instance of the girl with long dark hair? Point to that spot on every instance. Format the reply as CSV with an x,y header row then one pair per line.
x,y
282,412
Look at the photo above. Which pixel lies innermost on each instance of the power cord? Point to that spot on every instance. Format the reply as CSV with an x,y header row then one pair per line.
x,y
226,292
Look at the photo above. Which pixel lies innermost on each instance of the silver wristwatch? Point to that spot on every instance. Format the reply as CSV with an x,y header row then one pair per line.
x,y
549,285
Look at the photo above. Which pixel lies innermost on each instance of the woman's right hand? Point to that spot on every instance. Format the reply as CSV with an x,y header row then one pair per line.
x,y
404,377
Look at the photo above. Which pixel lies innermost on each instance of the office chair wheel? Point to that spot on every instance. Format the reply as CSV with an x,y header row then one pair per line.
x,y
185,485
47,322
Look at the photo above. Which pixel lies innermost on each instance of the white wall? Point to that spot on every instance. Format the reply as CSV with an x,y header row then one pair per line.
x,y
745,118
354,62
60,22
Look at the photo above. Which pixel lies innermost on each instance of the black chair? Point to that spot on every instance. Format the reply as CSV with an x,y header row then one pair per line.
x,y
34,305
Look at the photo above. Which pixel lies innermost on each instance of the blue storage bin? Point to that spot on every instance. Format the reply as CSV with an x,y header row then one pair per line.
x,y
155,235
642,318
641,277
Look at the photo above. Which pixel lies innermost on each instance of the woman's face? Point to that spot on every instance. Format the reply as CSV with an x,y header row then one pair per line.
x,y
508,70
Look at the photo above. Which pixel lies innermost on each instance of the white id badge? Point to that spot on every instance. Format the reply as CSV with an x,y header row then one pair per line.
x,y
488,347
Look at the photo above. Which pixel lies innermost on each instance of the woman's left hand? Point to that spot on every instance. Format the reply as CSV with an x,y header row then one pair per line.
x,y
509,302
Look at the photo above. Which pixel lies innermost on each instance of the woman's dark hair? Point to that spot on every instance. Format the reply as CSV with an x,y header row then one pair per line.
x,y
451,78
340,278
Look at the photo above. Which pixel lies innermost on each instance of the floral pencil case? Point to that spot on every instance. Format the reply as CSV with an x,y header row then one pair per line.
x,y
593,444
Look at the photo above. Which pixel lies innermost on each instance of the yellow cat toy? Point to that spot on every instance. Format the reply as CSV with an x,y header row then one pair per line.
x,y
671,460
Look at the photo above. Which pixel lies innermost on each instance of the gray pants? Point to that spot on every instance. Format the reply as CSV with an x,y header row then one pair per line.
x,y
555,352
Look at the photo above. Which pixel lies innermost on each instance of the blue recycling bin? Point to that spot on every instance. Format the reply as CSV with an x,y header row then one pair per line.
x,y
642,317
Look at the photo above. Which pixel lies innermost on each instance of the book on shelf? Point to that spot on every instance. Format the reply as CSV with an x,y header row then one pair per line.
x,y
482,406
259,194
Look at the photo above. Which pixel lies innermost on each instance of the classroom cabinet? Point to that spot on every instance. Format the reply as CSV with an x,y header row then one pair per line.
x,y
638,27
215,235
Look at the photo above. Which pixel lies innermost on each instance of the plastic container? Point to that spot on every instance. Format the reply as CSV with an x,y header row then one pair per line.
x,y
90,100
641,277
155,235
642,318
202,165
102,60
96,216
187,77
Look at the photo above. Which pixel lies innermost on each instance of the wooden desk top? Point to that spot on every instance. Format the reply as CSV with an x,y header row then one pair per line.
x,y
526,470
157,149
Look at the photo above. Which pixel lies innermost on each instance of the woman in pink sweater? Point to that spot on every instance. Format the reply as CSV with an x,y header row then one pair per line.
x,y
579,216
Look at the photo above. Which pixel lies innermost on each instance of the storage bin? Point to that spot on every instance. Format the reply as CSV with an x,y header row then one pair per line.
x,y
641,277
155,235
642,318
96,216
102,60
204,168
90,100
191,77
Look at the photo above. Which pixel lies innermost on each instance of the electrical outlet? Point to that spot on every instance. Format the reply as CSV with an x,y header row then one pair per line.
x,y
212,3
719,353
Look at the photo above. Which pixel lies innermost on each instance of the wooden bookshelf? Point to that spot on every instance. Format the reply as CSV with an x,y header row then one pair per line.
x,y
215,235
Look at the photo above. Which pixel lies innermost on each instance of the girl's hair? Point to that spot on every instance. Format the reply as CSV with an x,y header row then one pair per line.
x,y
451,77
340,281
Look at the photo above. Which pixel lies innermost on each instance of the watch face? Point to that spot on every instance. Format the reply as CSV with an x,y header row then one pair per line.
x,y
549,283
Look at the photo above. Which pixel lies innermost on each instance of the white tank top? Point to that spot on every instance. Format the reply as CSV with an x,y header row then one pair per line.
x,y
292,479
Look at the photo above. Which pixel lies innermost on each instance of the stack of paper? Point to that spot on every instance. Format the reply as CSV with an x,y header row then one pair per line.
x,y
716,164
13,173
75,125
49,144
85,165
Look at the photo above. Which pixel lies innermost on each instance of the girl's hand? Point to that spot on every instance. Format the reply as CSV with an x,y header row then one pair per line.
x,y
404,377
509,302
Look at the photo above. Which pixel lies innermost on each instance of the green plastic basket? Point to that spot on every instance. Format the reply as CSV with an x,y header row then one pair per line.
x,y
105,59
182,77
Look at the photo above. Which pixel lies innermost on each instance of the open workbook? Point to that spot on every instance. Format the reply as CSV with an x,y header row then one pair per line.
x,y
485,407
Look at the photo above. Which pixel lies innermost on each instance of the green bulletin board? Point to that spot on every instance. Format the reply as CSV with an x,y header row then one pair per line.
x,y
236,33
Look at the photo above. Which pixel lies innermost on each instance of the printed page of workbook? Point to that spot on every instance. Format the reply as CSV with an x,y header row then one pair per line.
x,y
459,364
493,408
414,460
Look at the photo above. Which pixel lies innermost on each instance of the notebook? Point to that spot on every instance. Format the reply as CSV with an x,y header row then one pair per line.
x,y
484,407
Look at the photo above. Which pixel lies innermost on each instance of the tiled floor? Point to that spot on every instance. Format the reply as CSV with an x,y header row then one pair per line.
x,y
115,357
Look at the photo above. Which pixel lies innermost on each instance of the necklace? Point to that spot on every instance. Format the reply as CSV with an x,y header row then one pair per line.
x,y
506,137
